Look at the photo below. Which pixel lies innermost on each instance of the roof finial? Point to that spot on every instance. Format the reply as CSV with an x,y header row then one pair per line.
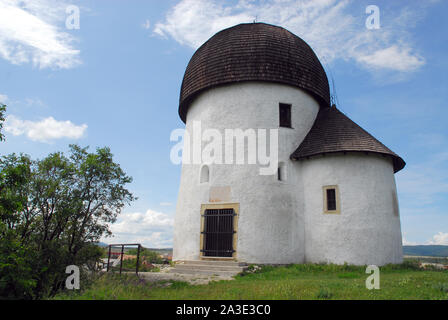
x,y
256,18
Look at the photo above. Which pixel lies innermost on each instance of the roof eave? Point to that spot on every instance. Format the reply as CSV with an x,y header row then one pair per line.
x,y
398,162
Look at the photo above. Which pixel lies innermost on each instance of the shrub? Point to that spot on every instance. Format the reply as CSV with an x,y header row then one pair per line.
x,y
52,212
442,287
348,275
324,293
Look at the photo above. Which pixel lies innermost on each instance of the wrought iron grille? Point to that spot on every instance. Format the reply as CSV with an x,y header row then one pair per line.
x,y
218,232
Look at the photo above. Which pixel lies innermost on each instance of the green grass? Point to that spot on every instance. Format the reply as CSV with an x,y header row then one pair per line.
x,y
305,281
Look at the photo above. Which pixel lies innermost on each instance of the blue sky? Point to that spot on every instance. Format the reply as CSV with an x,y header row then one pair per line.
x,y
115,82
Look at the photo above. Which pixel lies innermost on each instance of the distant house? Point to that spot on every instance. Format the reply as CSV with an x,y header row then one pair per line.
x,y
167,258
129,257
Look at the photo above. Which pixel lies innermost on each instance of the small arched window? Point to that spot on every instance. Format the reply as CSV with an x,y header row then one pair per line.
x,y
281,172
205,174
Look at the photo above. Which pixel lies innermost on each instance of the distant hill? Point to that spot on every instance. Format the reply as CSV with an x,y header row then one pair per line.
x,y
158,250
101,244
429,250
162,250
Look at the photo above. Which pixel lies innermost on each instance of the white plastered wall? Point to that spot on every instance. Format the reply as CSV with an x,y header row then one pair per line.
x,y
367,230
270,225
283,222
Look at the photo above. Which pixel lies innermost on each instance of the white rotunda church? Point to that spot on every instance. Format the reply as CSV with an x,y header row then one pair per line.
x,y
333,198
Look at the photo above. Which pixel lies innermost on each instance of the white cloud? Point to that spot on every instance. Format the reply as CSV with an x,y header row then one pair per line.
x,y
26,102
151,229
3,98
29,33
192,22
32,102
166,204
327,25
137,221
147,24
406,242
44,130
440,238
394,58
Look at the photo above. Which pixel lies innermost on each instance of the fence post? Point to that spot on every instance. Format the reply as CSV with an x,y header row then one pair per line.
x,y
138,259
108,259
121,260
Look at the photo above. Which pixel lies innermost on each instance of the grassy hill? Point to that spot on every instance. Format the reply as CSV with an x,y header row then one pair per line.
x,y
305,281
427,250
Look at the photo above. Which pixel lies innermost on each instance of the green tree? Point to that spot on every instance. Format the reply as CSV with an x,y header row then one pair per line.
x,y
16,275
58,211
147,255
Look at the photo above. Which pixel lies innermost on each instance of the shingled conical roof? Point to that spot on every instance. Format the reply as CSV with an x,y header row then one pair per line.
x,y
334,132
254,52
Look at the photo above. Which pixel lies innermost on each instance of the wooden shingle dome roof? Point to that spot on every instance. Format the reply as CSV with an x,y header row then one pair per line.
x,y
254,52
334,132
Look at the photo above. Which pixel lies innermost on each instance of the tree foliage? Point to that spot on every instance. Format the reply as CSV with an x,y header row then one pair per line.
x,y
2,119
52,211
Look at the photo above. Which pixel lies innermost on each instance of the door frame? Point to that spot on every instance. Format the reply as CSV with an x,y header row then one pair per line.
x,y
236,209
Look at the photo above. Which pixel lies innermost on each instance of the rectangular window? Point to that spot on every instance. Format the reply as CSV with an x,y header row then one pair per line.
x,y
331,199
285,115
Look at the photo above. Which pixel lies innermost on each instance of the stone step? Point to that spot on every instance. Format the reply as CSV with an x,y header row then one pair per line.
x,y
213,262
209,267
203,272
217,267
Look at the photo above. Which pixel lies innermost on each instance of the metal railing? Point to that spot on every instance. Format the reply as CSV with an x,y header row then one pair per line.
x,y
123,245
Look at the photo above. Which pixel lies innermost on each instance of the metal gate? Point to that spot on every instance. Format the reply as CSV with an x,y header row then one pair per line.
x,y
218,232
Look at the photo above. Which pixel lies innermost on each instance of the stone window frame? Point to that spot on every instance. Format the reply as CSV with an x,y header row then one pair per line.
x,y
337,198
